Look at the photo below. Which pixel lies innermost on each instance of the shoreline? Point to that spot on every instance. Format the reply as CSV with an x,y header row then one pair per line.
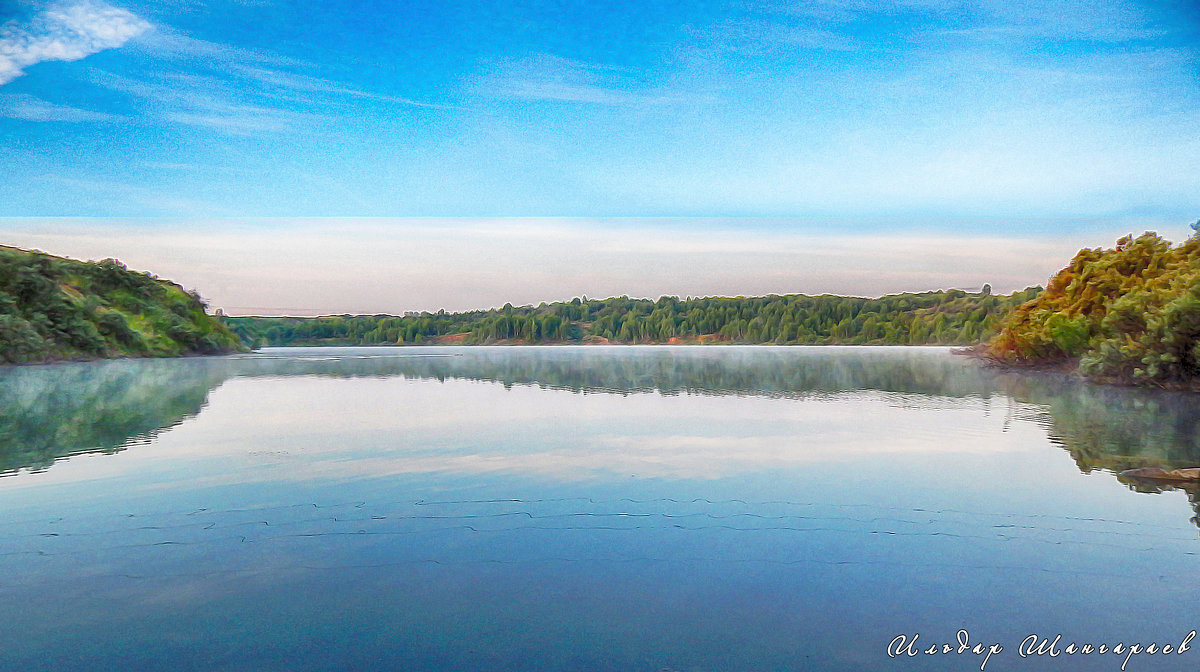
x,y
86,360
1069,368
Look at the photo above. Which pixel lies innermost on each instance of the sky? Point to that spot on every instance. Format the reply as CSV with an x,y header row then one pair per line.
x,y
468,153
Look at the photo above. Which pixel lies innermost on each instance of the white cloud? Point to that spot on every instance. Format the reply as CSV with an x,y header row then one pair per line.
x,y
65,32
31,108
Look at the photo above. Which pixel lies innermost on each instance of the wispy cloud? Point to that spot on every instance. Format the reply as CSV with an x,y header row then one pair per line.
x,y
237,119
197,100
65,32
846,11
990,20
549,77
31,108
296,83
1099,20
758,37
167,42
271,72
235,91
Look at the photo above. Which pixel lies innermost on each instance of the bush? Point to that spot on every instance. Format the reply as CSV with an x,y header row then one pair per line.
x,y
1129,314
22,343
114,325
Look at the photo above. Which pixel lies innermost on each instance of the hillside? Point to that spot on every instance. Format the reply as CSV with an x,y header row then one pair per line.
x,y
951,317
53,308
1128,315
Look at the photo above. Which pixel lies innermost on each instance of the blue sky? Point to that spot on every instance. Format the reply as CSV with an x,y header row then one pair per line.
x,y
910,108
1059,119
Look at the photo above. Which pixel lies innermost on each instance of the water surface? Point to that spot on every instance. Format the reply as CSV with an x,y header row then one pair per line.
x,y
596,508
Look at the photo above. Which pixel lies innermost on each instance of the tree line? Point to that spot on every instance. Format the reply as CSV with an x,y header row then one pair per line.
x,y
948,317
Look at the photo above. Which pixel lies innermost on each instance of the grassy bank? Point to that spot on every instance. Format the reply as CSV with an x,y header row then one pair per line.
x,y
52,308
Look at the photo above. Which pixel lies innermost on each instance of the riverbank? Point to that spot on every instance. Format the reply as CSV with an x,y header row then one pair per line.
x,y
1070,368
55,309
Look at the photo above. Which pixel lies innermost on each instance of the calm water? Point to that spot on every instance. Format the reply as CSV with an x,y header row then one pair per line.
x,y
625,508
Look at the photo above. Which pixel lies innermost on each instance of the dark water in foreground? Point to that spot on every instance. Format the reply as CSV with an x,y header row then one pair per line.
x,y
711,508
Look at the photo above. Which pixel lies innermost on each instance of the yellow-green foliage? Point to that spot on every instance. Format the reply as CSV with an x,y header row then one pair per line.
x,y
54,308
1129,314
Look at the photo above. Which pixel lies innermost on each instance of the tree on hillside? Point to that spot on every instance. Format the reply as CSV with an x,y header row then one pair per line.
x,y
1129,314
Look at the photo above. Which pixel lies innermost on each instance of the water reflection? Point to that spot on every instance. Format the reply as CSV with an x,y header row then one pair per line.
x,y
738,509
51,412
757,371
1114,428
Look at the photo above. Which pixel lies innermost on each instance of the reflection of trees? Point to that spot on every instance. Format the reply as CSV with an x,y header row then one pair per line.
x,y
49,412
1114,428
1102,427
755,371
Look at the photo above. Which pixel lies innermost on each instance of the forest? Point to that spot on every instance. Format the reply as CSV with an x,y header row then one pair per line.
x,y
1126,315
949,317
53,308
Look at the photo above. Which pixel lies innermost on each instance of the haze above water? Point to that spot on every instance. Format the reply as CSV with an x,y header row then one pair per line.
x,y
595,508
